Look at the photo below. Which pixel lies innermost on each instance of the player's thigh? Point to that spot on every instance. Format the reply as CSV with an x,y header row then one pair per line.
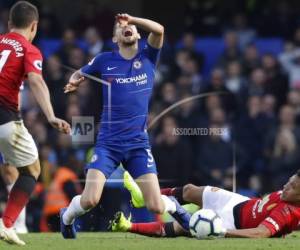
x,y
141,165
102,165
219,199
193,194
17,146
105,160
223,203
149,186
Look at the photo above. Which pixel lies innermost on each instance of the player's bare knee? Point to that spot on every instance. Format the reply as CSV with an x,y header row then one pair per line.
x,y
188,191
33,170
155,206
36,172
193,194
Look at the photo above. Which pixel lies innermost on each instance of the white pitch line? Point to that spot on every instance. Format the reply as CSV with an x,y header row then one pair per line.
x,y
99,80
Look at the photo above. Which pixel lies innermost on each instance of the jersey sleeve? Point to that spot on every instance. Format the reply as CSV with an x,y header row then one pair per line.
x,y
278,220
151,53
33,61
93,67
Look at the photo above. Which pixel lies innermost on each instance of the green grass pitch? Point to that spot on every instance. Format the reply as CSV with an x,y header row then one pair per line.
x,y
124,241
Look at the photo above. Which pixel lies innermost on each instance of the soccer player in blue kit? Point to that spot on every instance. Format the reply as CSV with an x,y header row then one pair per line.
x,y
123,134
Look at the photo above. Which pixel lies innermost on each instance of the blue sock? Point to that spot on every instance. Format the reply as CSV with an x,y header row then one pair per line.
x,y
181,215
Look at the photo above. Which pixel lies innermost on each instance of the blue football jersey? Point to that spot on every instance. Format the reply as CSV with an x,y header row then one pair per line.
x,y
126,97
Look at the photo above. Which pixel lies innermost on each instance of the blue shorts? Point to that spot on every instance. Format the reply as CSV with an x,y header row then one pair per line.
x,y
137,161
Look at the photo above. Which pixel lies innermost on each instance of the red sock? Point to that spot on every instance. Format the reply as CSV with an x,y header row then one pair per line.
x,y
167,191
177,192
16,202
150,229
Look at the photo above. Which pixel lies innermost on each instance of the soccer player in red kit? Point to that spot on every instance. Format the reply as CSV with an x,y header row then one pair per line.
x,y
20,60
274,215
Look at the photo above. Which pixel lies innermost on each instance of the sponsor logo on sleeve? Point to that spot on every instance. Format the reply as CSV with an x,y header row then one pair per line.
x,y
38,64
270,207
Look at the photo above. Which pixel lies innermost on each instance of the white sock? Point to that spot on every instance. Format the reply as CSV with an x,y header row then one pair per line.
x,y
73,211
20,224
9,187
169,204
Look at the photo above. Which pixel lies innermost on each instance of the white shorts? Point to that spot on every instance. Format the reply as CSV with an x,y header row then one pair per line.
x,y
222,202
17,145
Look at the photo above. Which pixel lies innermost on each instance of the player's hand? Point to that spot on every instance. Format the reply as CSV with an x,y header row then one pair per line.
x,y
60,125
222,232
124,19
73,85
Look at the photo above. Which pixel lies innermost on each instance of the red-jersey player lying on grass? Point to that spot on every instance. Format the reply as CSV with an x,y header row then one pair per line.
x,y
274,215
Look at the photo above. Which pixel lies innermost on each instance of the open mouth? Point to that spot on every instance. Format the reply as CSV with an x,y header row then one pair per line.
x,y
128,33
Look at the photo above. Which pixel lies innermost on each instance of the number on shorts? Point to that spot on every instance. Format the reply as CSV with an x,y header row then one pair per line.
x,y
3,58
150,158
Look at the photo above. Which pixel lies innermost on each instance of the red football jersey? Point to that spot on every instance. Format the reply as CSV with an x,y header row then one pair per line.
x,y
277,215
18,57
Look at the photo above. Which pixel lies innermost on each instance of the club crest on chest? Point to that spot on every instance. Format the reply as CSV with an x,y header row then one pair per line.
x,y
137,64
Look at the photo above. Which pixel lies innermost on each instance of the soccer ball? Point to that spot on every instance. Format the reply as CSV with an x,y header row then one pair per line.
x,y
205,223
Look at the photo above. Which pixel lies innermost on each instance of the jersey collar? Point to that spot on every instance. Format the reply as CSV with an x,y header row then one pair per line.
x,y
17,35
120,56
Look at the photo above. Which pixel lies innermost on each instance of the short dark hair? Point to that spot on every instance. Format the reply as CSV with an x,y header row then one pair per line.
x,y
22,14
298,173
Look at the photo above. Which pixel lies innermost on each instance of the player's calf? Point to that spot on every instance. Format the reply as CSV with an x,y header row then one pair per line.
x,y
154,201
20,193
10,174
89,201
90,197
93,189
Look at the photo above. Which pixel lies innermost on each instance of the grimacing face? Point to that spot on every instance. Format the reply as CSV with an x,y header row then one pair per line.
x,y
291,190
126,34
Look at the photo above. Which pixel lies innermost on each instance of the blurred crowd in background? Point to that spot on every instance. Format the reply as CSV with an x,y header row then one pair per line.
x,y
254,97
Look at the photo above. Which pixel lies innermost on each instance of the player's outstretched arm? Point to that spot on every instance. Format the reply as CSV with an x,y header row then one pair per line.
x,y
156,36
74,82
258,232
41,93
